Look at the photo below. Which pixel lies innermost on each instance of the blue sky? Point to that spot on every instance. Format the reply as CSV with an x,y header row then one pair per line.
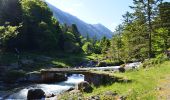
x,y
106,12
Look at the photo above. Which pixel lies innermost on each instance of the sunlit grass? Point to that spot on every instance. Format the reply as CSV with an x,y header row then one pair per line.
x,y
143,85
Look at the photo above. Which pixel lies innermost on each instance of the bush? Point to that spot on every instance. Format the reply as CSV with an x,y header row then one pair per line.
x,y
158,60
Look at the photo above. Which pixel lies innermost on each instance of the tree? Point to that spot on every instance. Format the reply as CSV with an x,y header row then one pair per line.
x,y
88,48
76,33
164,14
40,29
127,18
148,8
104,43
7,32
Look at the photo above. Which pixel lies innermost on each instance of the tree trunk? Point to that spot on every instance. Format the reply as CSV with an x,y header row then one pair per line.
x,y
149,29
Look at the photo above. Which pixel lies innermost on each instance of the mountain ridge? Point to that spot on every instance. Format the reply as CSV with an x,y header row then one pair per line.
x,y
92,30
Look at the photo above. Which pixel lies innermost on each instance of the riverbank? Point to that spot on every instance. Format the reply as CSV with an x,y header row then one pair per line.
x,y
144,85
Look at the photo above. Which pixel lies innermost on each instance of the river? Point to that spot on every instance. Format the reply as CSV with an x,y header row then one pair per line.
x,y
55,88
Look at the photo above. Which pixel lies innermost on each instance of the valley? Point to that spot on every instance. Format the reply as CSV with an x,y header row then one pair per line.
x,y
53,50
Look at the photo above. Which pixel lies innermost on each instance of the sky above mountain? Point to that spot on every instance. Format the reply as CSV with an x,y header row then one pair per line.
x,y
106,12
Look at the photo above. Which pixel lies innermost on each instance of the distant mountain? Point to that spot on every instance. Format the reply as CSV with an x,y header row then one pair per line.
x,y
96,30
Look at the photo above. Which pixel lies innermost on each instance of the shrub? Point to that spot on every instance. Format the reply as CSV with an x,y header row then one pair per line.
x,y
158,60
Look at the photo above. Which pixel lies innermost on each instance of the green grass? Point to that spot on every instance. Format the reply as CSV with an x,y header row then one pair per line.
x,y
143,83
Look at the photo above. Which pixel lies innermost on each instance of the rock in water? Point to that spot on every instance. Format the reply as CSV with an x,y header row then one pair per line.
x,y
84,87
35,94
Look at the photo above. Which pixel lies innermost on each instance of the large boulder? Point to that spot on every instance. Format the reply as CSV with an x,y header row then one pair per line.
x,y
122,69
84,87
35,94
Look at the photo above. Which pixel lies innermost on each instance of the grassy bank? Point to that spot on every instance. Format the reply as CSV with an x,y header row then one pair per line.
x,y
143,86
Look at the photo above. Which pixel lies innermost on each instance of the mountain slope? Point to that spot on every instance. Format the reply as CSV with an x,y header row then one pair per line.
x,y
97,30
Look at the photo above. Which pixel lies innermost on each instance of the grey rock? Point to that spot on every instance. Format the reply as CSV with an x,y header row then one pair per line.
x,y
84,87
110,93
94,98
35,94
122,69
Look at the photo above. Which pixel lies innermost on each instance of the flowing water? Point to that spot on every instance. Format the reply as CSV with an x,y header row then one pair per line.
x,y
54,88
57,88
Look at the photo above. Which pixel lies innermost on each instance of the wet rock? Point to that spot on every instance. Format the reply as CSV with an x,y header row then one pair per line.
x,y
84,87
35,94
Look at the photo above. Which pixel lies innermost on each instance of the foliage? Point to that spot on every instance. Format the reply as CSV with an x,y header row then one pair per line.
x,y
154,61
40,30
7,32
104,43
87,48
143,34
